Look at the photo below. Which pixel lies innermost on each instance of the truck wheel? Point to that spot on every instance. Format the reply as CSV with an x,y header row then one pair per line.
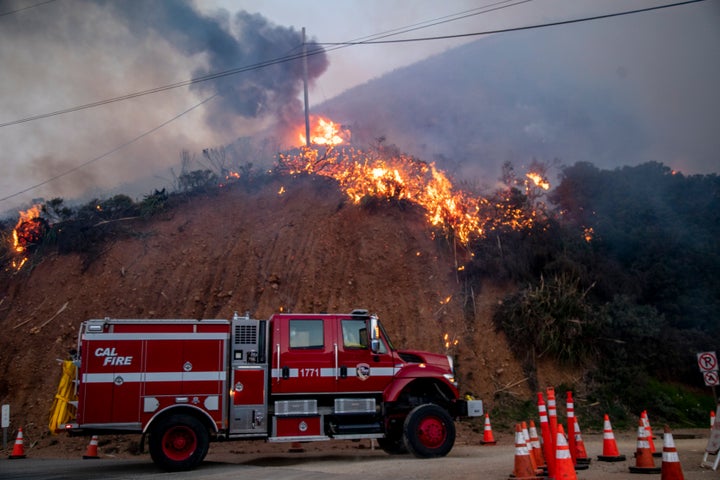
x,y
178,442
429,431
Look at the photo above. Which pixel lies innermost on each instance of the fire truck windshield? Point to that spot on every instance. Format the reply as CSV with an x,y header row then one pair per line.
x,y
385,335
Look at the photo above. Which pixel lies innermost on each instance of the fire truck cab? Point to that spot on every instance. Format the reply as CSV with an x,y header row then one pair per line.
x,y
290,378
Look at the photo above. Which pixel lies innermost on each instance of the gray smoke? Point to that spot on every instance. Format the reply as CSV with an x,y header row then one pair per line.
x,y
227,42
64,54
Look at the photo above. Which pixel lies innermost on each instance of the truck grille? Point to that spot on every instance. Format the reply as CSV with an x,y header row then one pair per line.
x,y
246,334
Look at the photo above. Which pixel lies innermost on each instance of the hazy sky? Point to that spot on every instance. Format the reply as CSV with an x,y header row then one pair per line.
x,y
67,53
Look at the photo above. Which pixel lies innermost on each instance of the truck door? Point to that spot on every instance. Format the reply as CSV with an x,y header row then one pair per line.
x,y
304,354
111,381
361,370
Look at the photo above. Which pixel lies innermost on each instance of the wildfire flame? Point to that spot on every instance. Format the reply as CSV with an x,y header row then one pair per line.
x,y
323,132
402,177
538,180
28,231
450,342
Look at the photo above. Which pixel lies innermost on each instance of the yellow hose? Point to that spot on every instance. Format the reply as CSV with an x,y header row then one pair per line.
x,y
62,410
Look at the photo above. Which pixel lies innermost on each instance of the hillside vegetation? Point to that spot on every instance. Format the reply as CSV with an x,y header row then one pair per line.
x,y
610,291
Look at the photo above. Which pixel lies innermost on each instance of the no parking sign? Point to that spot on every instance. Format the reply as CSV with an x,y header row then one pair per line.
x,y
708,363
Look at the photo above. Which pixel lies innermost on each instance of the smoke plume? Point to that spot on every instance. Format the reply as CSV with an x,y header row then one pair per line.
x,y
60,55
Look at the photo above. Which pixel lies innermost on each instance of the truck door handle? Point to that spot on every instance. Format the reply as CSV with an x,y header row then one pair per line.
x,y
286,372
343,372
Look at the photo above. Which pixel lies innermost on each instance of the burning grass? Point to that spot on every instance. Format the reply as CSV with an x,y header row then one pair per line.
x,y
365,177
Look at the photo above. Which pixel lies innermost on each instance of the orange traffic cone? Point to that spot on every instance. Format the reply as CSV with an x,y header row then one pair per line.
x,y
651,441
92,449
564,469
552,413
610,449
671,468
523,464
526,437
581,455
296,447
18,448
488,437
536,447
548,449
570,409
644,462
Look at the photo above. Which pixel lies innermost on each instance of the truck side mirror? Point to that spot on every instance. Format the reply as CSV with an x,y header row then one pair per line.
x,y
374,334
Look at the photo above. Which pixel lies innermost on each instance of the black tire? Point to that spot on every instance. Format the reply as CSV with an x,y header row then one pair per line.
x,y
178,442
429,431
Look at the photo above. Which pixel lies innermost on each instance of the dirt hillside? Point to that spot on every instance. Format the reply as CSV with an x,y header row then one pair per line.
x,y
306,249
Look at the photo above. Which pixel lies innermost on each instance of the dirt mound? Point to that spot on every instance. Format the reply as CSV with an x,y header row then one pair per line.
x,y
291,245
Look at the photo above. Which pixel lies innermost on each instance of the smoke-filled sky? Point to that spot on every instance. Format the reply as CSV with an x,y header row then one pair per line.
x,y
67,53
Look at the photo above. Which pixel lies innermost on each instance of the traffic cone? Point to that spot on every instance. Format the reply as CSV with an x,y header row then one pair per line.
x,y
644,462
552,414
92,449
548,449
523,465
296,447
18,448
564,469
581,455
651,441
671,468
526,437
488,437
610,450
570,408
536,447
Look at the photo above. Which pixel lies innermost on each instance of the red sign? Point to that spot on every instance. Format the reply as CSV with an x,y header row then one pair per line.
x,y
707,361
711,378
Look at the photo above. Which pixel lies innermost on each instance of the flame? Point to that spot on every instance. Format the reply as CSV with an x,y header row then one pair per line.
x,y
322,132
538,180
588,234
282,190
450,342
28,231
398,178
401,177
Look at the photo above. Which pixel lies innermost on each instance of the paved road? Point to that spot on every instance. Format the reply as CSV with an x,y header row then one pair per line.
x,y
352,463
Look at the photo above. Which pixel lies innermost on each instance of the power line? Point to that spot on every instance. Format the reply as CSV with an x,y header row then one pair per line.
x,y
337,45
297,56
109,152
2,14
235,71
516,29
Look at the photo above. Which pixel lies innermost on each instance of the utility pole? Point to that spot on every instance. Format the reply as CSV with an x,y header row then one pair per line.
x,y
305,84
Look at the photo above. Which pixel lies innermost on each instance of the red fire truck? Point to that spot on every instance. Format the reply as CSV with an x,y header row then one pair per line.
x,y
291,378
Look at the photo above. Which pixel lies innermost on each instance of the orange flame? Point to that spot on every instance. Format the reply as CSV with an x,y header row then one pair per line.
x,y
24,228
450,342
401,177
538,180
27,231
323,132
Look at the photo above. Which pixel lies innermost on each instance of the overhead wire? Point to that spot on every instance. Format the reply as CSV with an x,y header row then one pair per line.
x,y
234,71
516,29
335,45
22,9
109,152
372,39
